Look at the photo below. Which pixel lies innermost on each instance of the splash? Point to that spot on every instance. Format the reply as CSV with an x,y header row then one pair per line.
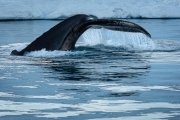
x,y
131,41
52,54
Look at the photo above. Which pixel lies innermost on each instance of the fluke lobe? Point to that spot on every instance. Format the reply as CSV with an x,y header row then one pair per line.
x,y
64,35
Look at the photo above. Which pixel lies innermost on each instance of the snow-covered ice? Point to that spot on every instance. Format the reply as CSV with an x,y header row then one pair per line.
x,y
59,9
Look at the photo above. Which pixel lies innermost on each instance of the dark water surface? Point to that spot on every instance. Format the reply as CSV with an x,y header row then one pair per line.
x,y
109,76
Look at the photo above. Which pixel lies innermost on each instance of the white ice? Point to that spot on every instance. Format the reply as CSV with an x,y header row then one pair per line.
x,y
58,9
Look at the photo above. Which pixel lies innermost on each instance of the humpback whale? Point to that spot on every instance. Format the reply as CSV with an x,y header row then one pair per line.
x,y
64,35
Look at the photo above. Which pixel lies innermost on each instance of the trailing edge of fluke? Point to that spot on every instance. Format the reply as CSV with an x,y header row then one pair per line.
x,y
64,35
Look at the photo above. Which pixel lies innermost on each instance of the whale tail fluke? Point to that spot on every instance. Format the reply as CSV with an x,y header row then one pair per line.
x,y
117,25
15,52
64,35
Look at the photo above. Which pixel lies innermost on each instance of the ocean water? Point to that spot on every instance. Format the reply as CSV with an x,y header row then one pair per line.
x,y
109,76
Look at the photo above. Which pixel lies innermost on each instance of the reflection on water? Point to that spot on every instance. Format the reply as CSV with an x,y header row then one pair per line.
x,y
92,69
93,82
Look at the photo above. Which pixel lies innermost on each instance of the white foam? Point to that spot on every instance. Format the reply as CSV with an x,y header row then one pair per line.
x,y
31,87
137,88
52,54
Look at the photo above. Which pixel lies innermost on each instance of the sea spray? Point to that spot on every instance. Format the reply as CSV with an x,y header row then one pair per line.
x,y
52,54
131,41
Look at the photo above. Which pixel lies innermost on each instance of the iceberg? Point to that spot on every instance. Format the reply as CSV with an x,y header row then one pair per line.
x,y
60,9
